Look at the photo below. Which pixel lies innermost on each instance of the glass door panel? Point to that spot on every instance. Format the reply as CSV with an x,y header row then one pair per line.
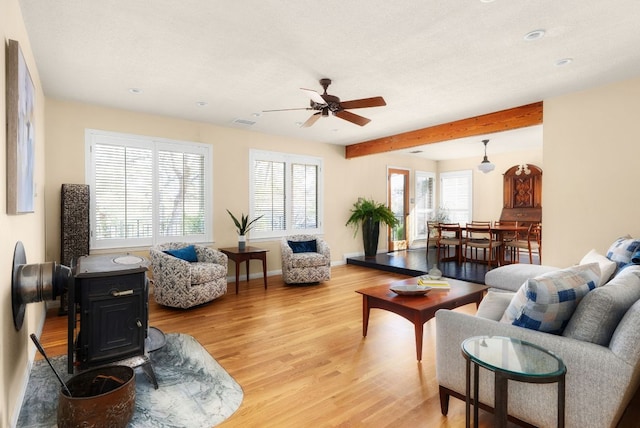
x,y
398,185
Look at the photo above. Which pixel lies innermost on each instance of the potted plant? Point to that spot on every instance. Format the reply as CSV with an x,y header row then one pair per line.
x,y
370,214
243,225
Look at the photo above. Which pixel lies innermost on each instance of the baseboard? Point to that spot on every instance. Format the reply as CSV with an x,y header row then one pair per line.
x,y
25,376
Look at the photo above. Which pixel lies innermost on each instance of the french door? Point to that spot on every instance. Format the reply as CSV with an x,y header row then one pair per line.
x,y
398,197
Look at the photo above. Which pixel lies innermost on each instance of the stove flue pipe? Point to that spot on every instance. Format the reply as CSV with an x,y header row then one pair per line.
x,y
37,282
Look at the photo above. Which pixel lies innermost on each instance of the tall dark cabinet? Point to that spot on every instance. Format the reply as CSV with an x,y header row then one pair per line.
x,y
74,228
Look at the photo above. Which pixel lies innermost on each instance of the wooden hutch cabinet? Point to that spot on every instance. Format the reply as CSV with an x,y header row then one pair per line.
x,y
522,194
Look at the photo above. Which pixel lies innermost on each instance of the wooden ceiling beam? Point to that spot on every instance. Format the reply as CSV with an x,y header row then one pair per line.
x,y
514,118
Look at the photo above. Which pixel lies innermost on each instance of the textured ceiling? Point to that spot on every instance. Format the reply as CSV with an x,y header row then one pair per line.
x,y
432,61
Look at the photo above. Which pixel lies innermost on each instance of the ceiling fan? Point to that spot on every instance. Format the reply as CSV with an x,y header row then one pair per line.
x,y
325,103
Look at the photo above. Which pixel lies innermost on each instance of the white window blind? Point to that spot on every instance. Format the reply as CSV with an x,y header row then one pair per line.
x,y
304,192
456,195
287,191
146,191
181,193
269,195
122,192
424,202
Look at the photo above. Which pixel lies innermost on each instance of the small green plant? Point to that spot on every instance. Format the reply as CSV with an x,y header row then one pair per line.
x,y
244,225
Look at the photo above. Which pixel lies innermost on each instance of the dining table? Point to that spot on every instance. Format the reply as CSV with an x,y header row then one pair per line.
x,y
500,232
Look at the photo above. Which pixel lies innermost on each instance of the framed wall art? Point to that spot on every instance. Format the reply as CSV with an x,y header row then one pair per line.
x,y
20,133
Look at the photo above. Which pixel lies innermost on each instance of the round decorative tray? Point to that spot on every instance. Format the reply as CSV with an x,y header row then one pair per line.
x,y
402,290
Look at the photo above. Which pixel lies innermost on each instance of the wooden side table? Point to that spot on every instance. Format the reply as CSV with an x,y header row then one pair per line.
x,y
249,253
510,359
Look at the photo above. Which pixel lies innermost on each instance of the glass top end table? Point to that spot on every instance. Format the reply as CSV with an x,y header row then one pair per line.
x,y
511,359
512,355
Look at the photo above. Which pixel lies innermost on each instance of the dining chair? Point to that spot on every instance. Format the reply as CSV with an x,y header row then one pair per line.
x,y
506,236
449,235
432,234
531,241
476,223
480,237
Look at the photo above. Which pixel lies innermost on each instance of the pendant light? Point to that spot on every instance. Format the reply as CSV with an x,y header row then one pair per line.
x,y
486,166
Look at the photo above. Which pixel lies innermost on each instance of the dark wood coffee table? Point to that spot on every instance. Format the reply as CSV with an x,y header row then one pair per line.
x,y
418,309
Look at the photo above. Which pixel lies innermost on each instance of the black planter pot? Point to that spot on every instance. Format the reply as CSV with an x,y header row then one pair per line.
x,y
370,235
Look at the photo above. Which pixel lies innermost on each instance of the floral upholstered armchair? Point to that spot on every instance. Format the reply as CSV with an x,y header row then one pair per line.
x,y
187,275
305,259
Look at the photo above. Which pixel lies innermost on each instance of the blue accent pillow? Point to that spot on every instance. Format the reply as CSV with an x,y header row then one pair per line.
x,y
186,253
550,299
303,246
623,250
635,261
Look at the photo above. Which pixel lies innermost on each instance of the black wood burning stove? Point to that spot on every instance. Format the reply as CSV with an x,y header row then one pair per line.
x,y
108,311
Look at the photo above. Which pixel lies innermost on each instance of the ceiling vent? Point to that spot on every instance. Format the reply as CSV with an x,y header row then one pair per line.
x,y
244,122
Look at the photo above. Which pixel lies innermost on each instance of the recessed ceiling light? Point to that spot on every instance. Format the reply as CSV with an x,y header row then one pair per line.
x,y
202,103
534,35
487,1
136,91
298,123
256,114
564,61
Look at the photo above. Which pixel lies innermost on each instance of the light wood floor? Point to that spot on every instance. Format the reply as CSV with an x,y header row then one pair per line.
x,y
299,354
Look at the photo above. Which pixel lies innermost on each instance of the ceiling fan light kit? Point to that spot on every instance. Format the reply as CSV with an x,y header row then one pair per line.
x,y
486,166
325,103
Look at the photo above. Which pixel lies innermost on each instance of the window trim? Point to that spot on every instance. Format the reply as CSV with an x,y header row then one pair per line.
x,y
96,136
288,159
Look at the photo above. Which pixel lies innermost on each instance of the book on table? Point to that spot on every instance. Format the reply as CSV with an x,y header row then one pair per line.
x,y
436,284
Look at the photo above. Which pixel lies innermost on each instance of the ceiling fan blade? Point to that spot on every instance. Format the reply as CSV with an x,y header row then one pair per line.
x,y
313,119
352,117
288,109
315,97
364,102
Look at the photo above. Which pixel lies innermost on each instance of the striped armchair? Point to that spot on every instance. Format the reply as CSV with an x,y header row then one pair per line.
x,y
306,259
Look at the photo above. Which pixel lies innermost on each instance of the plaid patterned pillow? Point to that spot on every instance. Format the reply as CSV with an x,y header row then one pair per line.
x,y
622,250
550,299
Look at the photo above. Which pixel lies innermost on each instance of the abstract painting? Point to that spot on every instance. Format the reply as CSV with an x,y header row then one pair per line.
x,y
20,133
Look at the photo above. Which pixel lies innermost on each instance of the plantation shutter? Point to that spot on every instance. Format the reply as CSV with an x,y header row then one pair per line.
x,y
455,195
180,193
424,202
304,194
123,192
269,195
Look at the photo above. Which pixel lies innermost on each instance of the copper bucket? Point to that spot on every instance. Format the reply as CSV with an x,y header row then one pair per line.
x,y
101,397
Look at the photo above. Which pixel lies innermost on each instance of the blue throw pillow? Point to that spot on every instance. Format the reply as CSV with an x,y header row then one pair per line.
x,y
303,246
622,250
186,253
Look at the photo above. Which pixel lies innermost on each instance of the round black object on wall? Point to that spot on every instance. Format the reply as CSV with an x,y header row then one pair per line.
x,y
32,283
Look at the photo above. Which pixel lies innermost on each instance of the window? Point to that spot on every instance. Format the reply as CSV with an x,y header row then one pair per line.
x,y
424,202
287,191
146,191
456,195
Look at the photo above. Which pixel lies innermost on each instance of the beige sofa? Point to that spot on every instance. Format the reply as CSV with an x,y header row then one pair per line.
x,y
600,347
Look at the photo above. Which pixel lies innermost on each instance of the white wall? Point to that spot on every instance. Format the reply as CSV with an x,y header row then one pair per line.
x,y
28,228
345,179
591,154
